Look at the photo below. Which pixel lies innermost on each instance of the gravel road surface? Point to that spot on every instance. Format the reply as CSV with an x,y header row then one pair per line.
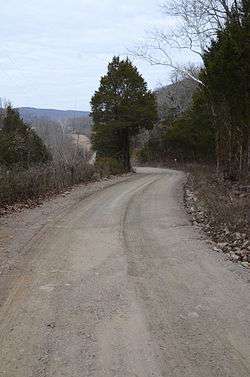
x,y
113,280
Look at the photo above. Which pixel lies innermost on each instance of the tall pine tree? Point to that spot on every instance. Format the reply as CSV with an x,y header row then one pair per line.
x,y
120,108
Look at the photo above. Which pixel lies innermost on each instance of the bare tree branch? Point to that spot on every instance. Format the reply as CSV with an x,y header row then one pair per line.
x,y
165,60
197,23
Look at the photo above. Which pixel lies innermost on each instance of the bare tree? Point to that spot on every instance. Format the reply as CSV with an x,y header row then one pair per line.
x,y
196,23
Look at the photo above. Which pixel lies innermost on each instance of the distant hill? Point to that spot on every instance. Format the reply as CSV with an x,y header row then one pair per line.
x,y
72,121
176,97
30,114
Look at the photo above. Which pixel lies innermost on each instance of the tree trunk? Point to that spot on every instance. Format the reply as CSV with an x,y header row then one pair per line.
x,y
126,151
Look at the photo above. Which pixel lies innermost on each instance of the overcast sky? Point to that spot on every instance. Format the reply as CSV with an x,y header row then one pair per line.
x,y
53,52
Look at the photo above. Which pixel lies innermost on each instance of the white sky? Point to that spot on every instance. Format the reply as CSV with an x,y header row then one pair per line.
x,y
53,52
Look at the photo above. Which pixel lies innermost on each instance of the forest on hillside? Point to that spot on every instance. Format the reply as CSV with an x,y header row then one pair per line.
x,y
204,116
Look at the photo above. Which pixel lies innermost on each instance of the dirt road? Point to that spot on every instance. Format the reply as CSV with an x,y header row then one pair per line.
x,y
119,284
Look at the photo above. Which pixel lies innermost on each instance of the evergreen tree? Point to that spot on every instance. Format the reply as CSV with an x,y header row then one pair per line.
x,y
19,144
120,108
227,64
191,137
187,137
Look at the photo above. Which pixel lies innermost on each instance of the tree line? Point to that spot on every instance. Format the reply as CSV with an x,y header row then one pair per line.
x,y
215,127
226,77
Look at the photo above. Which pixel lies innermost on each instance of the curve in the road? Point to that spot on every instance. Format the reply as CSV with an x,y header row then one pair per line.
x,y
122,285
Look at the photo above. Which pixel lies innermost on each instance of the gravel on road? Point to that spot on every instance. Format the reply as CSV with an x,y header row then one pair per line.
x,y
112,279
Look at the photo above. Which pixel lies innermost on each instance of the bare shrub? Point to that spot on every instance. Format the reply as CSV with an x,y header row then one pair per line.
x,y
69,166
109,166
17,185
226,205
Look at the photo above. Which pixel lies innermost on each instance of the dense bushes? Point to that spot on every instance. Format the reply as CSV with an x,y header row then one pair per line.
x,y
27,170
225,206
17,185
30,170
109,166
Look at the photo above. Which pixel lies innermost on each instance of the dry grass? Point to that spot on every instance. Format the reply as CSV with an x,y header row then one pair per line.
x,y
224,203
18,185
